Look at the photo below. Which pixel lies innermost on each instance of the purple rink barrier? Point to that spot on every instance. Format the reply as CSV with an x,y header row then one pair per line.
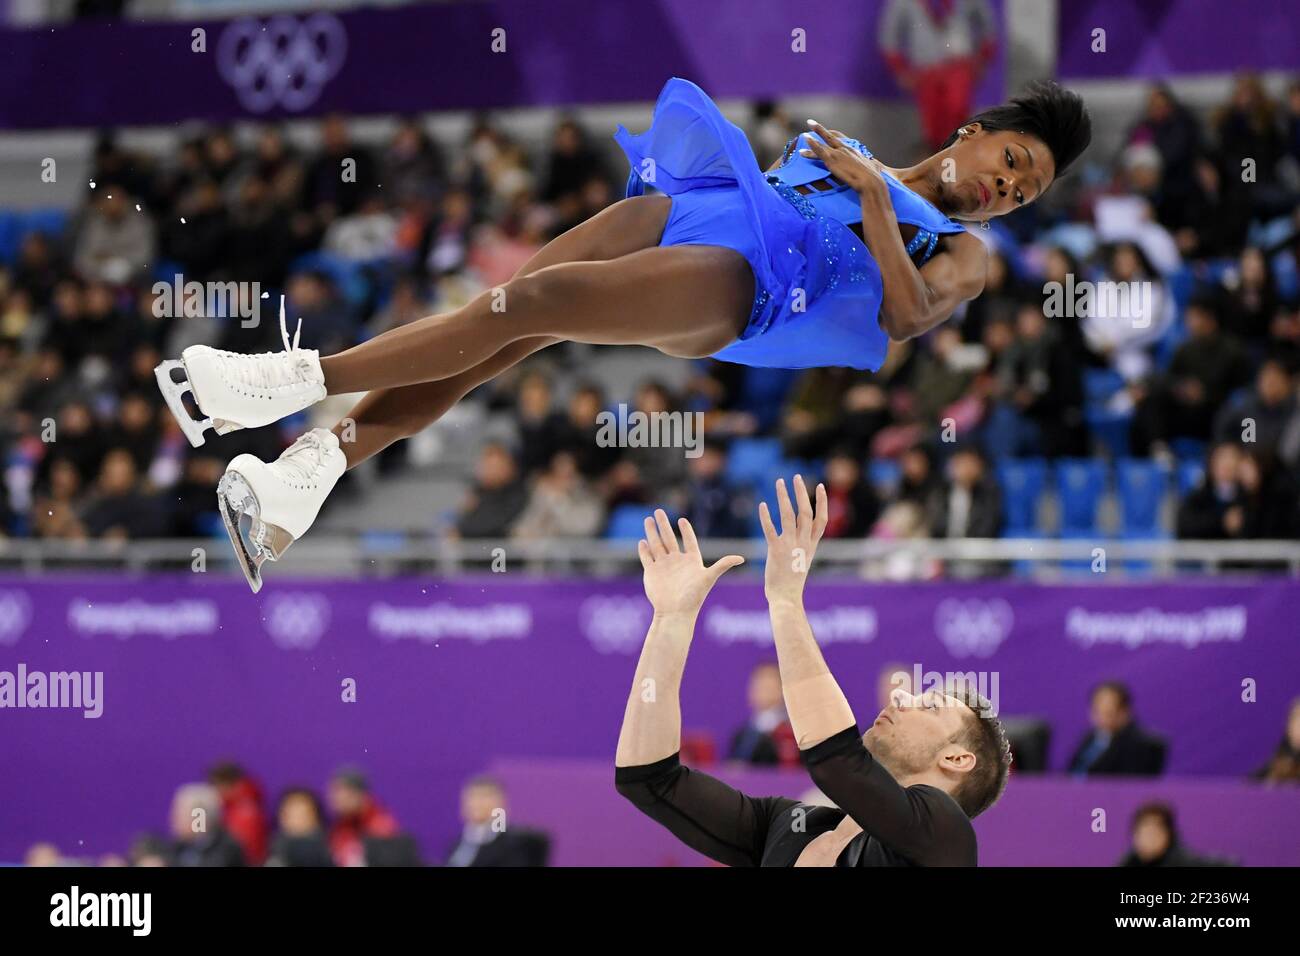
x,y
1040,821
440,57
451,674
1157,39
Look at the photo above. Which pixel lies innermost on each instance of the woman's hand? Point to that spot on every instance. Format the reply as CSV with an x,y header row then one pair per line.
x,y
790,552
844,163
676,580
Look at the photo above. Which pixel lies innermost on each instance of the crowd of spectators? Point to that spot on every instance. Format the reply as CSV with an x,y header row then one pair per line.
x,y
225,821
1203,365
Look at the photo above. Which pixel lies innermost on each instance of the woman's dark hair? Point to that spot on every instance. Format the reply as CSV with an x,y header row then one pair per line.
x,y
1047,111
306,793
1162,812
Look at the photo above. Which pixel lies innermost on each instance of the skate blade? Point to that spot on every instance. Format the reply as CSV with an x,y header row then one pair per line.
x,y
256,543
172,393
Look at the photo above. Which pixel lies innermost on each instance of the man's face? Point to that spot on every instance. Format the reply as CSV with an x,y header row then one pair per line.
x,y
478,803
913,733
1108,711
996,172
345,799
764,689
1150,838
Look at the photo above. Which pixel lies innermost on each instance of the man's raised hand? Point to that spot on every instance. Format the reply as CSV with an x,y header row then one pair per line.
x,y
790,551
676,580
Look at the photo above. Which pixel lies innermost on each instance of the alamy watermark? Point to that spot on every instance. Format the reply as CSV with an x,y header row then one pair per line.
x,y
63,690
180,299
637,429
1105,298
962,685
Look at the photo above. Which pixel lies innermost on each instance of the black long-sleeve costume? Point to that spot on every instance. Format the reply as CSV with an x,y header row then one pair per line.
x,y
901,826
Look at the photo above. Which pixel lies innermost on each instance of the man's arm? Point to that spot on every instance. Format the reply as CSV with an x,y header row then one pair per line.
x,y
908,820
814,702
701,811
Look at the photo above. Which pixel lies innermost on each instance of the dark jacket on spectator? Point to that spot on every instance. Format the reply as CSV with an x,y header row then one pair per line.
x,y
1130,752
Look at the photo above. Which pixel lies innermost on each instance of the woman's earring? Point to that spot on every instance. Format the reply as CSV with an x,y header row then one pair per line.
x,y
985,225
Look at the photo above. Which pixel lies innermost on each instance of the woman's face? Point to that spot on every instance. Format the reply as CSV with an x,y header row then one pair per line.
x,y
994,173
1150,838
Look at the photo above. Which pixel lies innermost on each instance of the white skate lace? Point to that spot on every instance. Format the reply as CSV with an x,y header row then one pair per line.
x,y
271,370
301,460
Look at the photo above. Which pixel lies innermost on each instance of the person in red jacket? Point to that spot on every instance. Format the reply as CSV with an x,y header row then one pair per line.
x,y
357,815
243,812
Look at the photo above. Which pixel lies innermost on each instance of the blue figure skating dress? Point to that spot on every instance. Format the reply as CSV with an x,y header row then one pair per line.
x,y
817,289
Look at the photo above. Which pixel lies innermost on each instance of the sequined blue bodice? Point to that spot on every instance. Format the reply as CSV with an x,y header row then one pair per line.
x,y
806,184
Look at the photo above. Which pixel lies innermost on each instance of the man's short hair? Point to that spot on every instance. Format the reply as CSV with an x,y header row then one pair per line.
x,y
984,736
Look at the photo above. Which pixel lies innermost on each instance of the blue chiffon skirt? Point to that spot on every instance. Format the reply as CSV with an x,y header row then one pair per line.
x,y
817,288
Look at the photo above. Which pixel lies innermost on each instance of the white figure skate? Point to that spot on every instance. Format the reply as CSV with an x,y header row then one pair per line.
x,y
280,499
242,391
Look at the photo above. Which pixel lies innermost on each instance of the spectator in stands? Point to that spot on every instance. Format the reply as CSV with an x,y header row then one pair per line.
x,y
1284,765
43,855
1249,298
1121,329
1246,130
1037,406
938,50
579,431
766,739
357,815
572,165
1174,132
541,428
412,164
487,837
342,175
1156,841
55,511
327,321
999,301
199,837
300,838
148,849
560,504
193,506
1181,402
661,471
1213,509
969,504
829,407
121,508
76,438
199,235
261,241
498,496
852,502
410,301
717,508
918,480
1260,416
37,270
135,430
1116,745
242,811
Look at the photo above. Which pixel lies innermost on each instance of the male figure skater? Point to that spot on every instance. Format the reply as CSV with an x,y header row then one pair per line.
x,y
904,791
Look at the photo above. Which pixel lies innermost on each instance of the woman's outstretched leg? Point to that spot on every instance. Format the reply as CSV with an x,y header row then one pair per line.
x,y
391,414
685,300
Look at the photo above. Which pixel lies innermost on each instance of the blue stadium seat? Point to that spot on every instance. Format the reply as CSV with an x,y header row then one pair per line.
x,y
1142,485
1080,483
1022,480
750,460
884,475
627,522
1188,449
11,231
52,222
1188,476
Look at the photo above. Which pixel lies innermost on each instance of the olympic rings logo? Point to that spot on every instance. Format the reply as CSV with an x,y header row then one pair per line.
x,y
974,628
283,62
15,615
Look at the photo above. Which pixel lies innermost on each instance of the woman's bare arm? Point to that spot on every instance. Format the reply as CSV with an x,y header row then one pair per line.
x,y
915,300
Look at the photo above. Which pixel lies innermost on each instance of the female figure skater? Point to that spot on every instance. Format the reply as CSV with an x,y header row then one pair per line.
x,y
819,262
